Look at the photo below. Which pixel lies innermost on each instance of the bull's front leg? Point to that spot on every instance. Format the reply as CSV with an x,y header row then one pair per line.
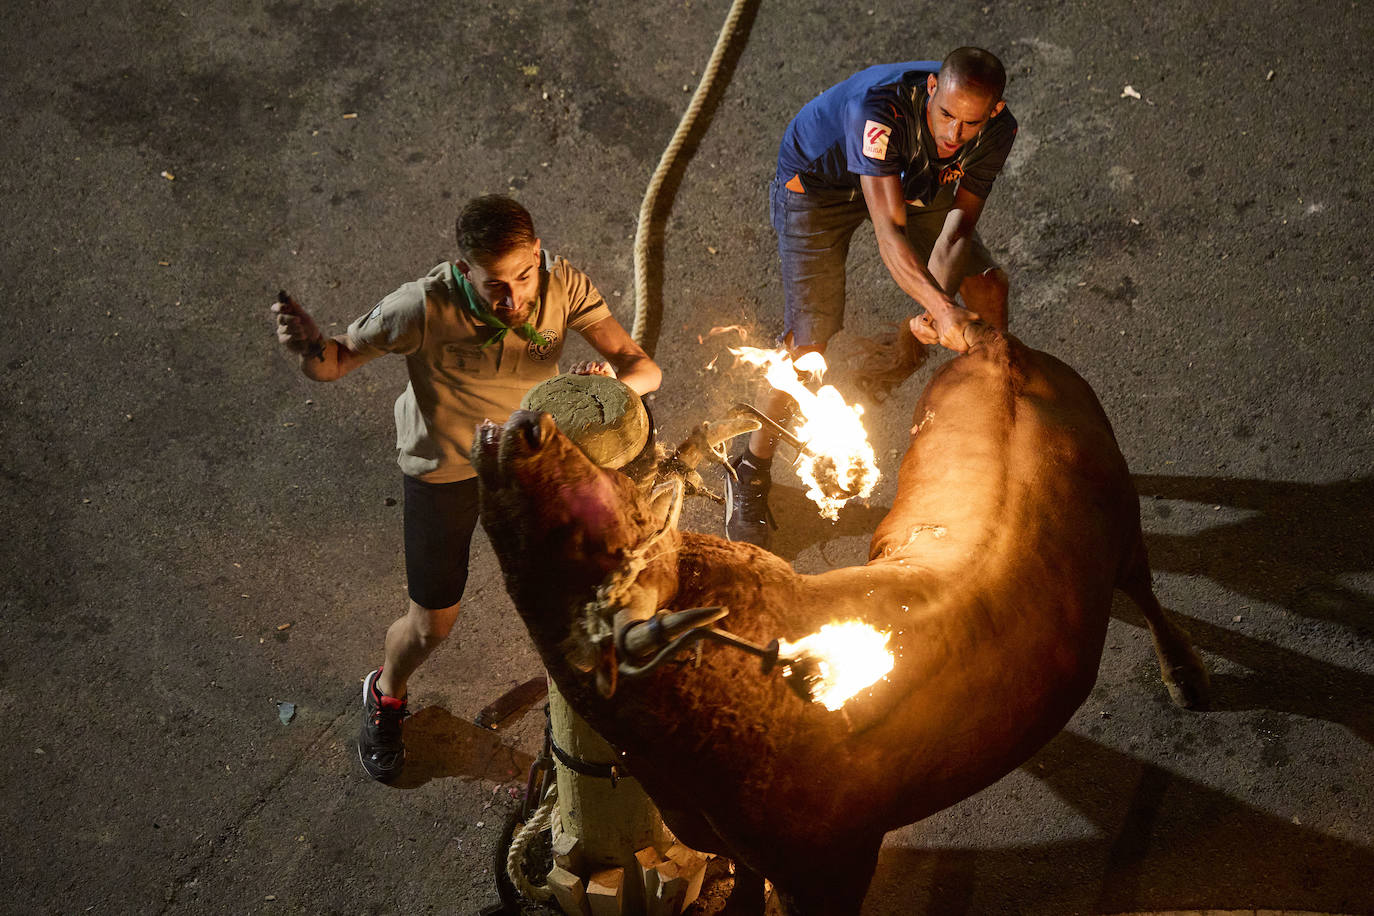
x,y
747,895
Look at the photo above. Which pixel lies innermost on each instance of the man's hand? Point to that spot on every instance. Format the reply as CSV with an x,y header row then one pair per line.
x,y
593,368
948,332
296,330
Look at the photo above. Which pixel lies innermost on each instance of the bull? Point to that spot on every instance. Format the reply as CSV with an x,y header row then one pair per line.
x,y
1014,520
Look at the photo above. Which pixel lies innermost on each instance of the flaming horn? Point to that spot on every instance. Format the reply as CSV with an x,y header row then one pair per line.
x,y
827,667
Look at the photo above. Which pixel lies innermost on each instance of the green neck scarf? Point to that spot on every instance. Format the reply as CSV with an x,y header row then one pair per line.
x,y
478,310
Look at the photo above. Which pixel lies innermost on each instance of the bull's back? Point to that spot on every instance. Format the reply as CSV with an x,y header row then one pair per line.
x,y
1006,441
1014,515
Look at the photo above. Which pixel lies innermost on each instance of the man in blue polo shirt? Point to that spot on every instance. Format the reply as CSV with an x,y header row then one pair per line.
x,y
915,148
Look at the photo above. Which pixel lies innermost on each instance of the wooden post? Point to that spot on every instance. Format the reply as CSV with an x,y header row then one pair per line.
x,y
607,825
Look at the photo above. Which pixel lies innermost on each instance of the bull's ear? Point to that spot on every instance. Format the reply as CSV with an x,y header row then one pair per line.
x,y
665,503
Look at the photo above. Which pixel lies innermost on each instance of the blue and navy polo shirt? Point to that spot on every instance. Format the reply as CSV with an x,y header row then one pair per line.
x,y
874,123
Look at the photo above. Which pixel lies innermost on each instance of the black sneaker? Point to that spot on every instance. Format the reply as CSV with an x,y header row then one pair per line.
x,y
380,748
747,516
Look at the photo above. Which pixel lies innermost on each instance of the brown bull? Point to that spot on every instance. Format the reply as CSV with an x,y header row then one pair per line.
x,y
1014,520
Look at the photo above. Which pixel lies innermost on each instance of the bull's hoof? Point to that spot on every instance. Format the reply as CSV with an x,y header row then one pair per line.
x,y
1189,686
747,897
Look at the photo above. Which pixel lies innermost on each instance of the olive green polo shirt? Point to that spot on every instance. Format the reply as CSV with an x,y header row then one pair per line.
x,y
455,381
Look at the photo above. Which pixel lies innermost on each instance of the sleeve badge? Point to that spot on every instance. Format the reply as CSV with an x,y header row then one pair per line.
x,y
875,140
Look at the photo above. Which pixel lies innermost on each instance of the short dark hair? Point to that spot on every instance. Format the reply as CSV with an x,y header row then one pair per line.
x,y
491,226
976,68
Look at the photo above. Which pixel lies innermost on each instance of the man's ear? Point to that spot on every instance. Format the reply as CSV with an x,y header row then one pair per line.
x,y
931,82
997,109
463,267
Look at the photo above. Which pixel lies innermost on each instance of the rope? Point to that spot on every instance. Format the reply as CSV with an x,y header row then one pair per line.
x,y
523,837
665,164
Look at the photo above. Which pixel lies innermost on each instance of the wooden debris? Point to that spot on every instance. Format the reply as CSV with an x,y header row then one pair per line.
x,y
567,889
606,891
647,858
691,869
567,850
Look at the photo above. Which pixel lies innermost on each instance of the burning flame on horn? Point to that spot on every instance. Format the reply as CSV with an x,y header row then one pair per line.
x,y
840,660
837,462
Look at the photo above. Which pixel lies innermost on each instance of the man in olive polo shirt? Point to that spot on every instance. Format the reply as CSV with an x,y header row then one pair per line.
x,y
476,333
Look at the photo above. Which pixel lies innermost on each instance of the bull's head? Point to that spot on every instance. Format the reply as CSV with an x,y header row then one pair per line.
x,y
585,550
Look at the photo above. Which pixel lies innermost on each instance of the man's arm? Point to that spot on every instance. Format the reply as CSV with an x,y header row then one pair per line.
x,y
299,334
632,365
887,209
957,233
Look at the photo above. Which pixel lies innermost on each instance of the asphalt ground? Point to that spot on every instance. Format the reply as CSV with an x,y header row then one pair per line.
x,y
194,534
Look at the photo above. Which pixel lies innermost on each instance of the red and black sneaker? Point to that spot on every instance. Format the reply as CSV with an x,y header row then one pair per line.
x,y
380,748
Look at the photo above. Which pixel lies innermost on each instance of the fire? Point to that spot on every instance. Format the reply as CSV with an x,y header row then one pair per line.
x,y
836,461
840,660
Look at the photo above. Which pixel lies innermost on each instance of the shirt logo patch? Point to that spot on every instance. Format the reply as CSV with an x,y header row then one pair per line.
x,y
952,172
541,345
376,311
875,139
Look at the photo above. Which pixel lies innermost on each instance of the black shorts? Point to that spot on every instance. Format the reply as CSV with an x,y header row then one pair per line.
x,y
439,521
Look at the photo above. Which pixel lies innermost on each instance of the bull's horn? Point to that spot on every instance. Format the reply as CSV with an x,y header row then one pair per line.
x,y
721,431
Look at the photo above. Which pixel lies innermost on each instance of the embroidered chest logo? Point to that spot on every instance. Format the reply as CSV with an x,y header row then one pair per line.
x,y
541,345
875,139
951,172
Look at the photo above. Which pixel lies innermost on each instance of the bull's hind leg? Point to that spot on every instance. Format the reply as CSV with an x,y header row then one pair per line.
x,y
832,882
1179,665
747,895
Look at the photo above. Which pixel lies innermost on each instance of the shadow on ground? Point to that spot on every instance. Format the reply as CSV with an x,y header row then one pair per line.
x,y
439,745
1290,549
1166,842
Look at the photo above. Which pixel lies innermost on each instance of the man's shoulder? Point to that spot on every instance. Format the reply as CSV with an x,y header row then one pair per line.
x,y
439,279
1001,130
562,273
556,263
888,94
435,289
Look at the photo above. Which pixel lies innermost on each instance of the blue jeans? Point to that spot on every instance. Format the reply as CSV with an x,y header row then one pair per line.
x,y
814,229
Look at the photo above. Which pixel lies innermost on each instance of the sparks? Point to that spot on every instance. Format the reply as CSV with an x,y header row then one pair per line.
x,y
843,658
837,462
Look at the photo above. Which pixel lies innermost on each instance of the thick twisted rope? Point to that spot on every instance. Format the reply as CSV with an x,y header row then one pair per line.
x,y
665,164
524,836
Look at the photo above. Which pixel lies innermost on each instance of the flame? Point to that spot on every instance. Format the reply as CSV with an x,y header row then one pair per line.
x,y
837,462
847,656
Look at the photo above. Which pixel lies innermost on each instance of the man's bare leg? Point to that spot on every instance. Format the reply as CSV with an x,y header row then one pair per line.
x,y
409,641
